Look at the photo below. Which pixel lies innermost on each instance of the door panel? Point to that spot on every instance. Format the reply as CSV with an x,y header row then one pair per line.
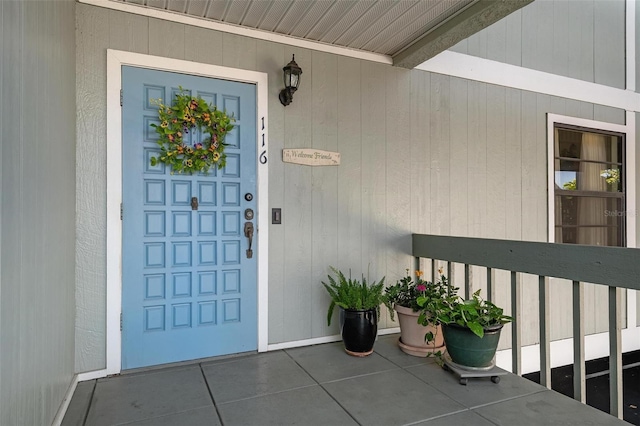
x,y
188,288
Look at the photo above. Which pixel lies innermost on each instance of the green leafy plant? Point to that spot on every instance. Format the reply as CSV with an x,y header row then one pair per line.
x,y
570,185
353,294
406,291
186,115
611,176
476,313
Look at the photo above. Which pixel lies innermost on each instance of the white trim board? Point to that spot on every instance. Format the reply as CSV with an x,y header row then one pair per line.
x,y
239,30
596,346
630,166
630,44
64,405
115,60
321,340
629,129
493,72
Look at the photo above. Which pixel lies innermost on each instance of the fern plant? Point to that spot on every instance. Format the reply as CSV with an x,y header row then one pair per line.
x,y
353,294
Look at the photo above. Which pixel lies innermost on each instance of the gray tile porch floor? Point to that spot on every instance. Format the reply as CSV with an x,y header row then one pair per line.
x,y
320,385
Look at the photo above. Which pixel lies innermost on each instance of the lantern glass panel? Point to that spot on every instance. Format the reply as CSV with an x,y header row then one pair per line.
x,y
287,78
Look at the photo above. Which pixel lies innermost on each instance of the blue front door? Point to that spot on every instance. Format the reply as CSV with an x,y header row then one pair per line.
x,y
188,286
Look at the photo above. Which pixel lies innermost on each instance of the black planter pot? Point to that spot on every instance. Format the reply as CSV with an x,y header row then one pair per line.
x,y
359,329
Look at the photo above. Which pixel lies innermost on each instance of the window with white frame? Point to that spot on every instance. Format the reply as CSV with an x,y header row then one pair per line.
x,y
589,186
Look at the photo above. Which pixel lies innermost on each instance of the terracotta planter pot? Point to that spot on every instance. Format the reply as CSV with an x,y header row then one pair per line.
x,y
412,335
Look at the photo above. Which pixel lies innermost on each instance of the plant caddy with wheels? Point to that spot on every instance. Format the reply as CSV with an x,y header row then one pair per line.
x,y
471,331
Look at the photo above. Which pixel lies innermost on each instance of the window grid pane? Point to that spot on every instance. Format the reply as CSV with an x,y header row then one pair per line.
x,y
589,188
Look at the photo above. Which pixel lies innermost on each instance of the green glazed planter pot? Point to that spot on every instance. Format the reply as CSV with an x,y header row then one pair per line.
x,y
468,350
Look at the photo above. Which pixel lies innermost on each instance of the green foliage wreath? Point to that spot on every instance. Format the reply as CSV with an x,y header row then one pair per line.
x,y
186,114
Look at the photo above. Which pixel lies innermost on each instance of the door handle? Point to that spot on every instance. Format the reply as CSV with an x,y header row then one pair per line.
x,y
248,232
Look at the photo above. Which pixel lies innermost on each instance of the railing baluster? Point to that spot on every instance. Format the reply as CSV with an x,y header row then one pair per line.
x,y
467,280
434,270
615,353
609,266
491,278
579,381
545,337
450,271
516,344
416,264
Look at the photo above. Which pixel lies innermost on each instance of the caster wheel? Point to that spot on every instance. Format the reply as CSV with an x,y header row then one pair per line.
x,y
464,382
495,379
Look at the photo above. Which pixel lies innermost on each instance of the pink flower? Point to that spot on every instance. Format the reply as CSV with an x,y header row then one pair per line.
x,y
421,287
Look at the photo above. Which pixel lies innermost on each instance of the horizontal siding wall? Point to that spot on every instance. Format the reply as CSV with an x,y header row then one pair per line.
x,y
420,152
637,39
582,39
37,209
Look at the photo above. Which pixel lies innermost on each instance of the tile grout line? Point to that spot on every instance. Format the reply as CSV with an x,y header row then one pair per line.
x,y
362,375
213,401
323,388
484,417
86,413
488,404
260,395
466,409
157,417
480,405
442,416
340,405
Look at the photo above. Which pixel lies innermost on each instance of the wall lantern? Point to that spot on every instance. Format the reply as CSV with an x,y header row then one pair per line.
x,y
292,73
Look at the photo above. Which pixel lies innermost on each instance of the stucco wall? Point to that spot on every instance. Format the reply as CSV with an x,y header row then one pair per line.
x,y
37,116
421,152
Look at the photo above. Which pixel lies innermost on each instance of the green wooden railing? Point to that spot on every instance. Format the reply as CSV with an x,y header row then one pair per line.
x,y
615,267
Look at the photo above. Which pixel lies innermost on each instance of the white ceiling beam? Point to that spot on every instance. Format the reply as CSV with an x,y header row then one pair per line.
x,y
464,24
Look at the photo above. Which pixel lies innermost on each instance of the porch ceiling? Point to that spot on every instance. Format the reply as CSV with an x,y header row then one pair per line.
x,y
408,31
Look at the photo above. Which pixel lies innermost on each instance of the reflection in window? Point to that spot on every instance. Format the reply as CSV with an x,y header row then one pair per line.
x,y
589,187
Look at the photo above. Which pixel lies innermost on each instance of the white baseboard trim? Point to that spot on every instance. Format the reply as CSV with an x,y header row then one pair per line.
x,y
596,346
386,331
97,374
92,375
62,410
320,340
306,342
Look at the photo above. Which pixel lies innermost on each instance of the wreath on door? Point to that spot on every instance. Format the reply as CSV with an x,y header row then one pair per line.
x,y
179,122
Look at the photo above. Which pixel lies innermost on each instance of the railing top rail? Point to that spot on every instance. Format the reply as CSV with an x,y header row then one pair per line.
x,y
612,266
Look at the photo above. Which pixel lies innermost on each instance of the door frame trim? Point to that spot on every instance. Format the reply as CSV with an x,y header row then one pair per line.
x,y
115,60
